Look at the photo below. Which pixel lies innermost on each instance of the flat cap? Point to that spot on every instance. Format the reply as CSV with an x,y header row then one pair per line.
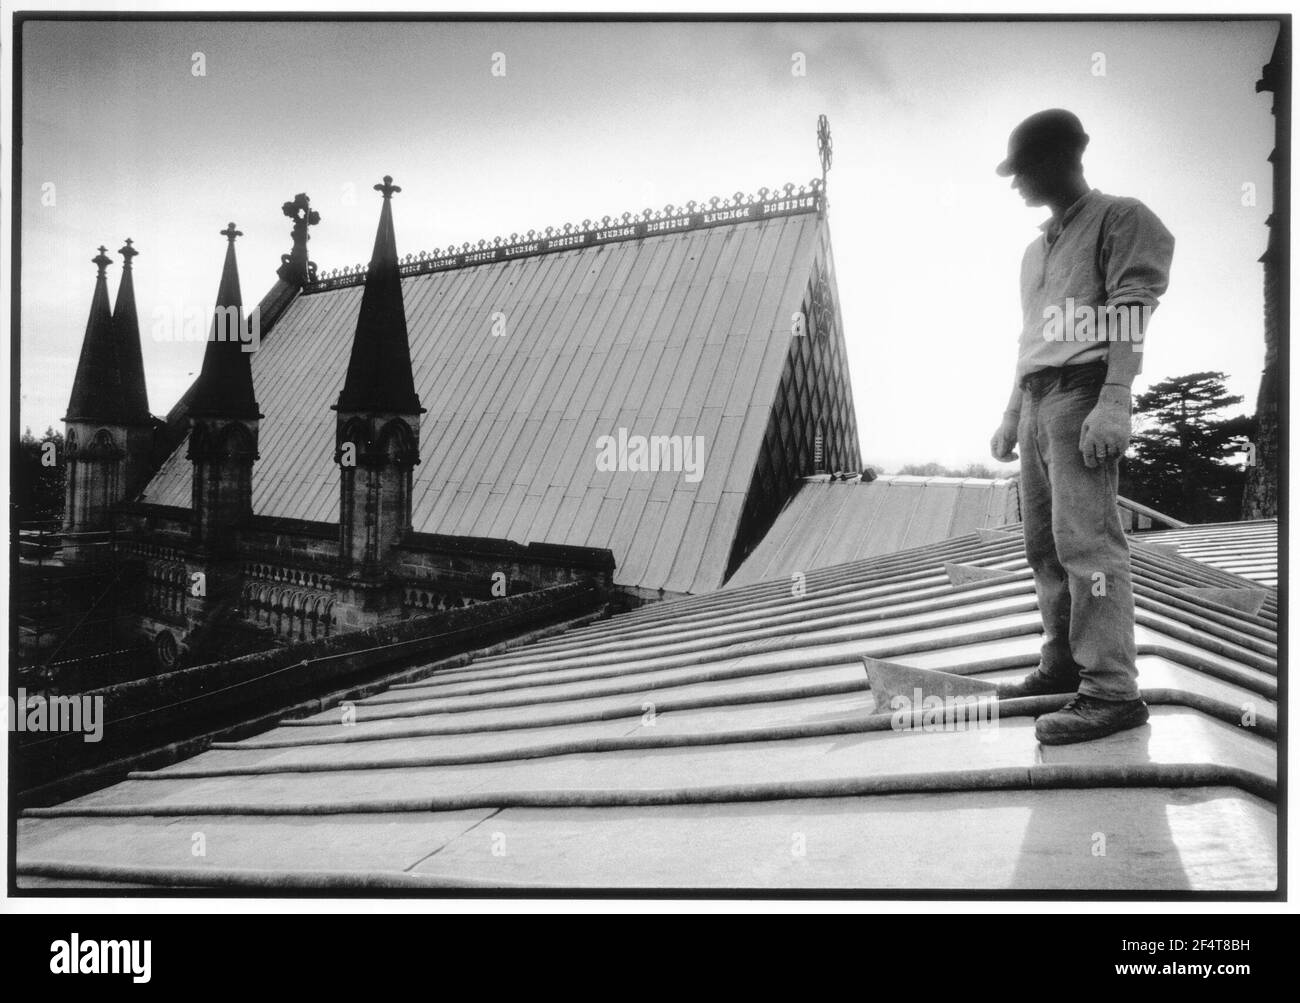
x,y
1042,132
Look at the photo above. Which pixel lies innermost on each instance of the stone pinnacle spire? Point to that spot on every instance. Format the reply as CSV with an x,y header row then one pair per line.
x,y
379,371
126,329
97,388
225,384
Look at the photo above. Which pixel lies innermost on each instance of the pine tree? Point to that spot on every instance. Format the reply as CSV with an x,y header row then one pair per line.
x,y
1179,459
37,494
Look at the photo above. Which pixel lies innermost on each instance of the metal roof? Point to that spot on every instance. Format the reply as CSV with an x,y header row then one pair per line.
x,y
730,741
831,520
683,333
1246,548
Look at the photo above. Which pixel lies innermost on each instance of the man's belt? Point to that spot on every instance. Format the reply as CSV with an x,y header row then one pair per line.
x,y
1042,380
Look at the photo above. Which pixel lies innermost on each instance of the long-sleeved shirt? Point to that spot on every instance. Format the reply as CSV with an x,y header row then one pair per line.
x,y
1105,251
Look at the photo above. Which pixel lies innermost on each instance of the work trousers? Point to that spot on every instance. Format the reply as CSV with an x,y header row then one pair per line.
x,y
1074,541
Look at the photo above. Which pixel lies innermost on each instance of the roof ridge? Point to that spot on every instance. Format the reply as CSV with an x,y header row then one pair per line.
x,y
788,200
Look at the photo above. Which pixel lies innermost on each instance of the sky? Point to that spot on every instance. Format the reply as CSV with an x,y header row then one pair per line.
x,y
596,119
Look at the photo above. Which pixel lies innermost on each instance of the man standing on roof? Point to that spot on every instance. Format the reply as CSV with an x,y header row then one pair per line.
x,y
1087,286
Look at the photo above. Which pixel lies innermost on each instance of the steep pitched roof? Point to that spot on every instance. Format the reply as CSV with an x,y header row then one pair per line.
x,y
225,383
831,520
524,361
686,744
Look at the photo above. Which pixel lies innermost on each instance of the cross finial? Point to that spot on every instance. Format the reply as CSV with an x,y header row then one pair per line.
x,y
824,143
294,266
128,252
102,259
300,211
388,188
230,233
824,149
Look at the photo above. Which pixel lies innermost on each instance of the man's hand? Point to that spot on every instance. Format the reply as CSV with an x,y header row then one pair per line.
x,y
1107,428
1003,443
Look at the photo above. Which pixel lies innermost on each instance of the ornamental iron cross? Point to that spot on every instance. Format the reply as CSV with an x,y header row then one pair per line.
x,y
230,233
388,188
824,145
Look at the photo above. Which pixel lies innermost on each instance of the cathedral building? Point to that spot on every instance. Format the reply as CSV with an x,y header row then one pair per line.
x,y
629,401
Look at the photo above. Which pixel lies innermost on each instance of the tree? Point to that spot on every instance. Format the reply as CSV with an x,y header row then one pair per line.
x,y
1178,461
939,470
37,491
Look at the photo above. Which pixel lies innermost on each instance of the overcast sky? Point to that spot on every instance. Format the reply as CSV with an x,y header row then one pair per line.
x,y
600,119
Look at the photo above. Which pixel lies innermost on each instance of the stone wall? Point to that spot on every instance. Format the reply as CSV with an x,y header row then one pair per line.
x,y
176,706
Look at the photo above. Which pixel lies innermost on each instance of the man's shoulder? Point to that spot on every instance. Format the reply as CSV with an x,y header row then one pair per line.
x,y
1122,205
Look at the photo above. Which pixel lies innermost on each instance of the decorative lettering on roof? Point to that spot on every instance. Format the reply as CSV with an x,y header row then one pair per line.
x,y
787,200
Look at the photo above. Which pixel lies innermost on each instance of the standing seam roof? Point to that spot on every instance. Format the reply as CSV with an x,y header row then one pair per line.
x,y
761,724
1247,548
832,521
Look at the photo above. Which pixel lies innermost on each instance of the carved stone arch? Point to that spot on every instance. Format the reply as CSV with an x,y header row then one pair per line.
x,y
289,613
235,440
396,441
103,446
281,600
356,431
311,617
200,440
